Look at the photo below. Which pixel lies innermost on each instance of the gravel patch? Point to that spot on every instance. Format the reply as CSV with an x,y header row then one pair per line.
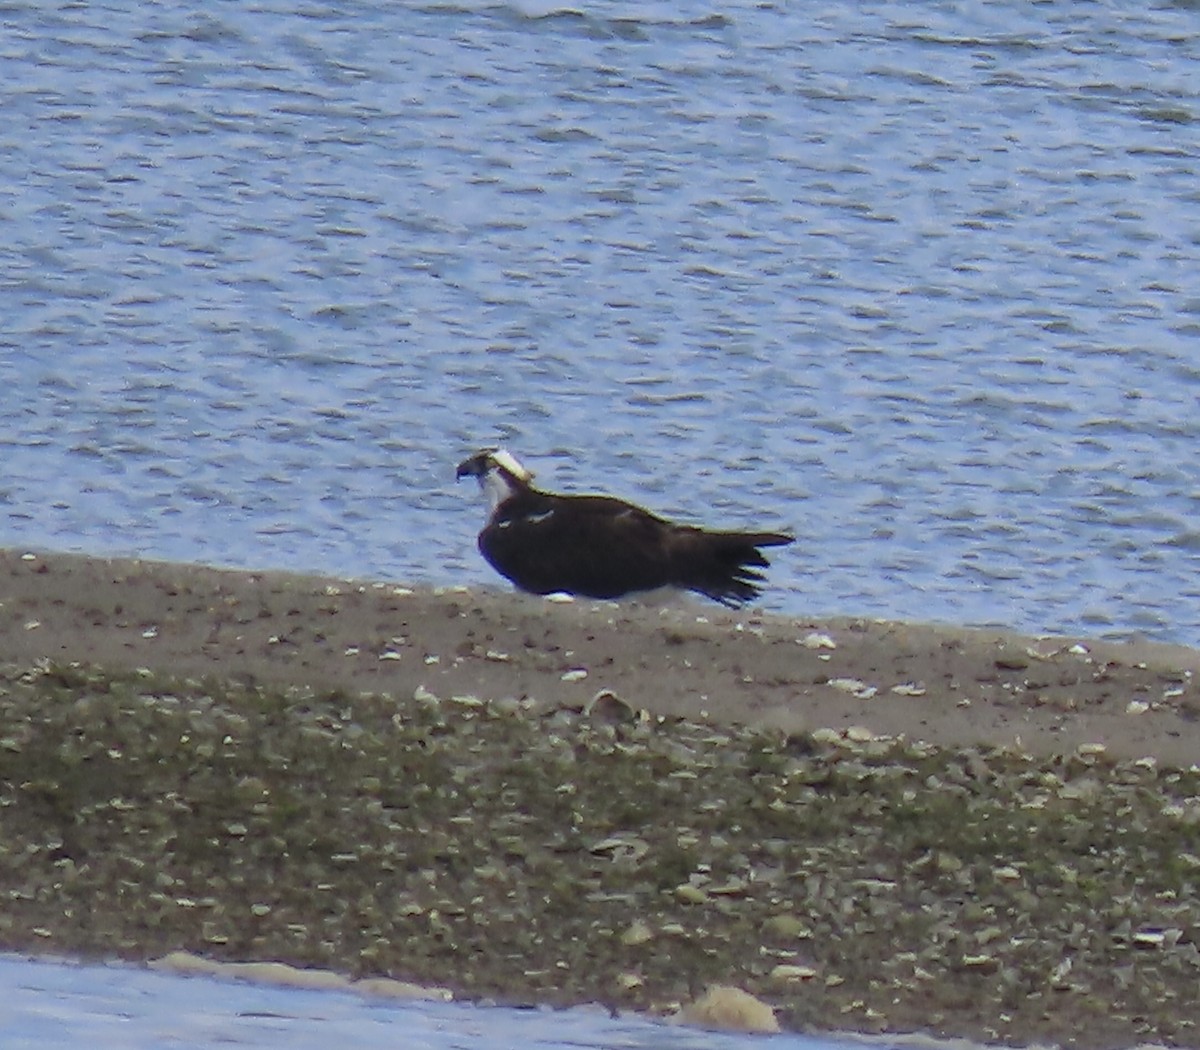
x,y
521,851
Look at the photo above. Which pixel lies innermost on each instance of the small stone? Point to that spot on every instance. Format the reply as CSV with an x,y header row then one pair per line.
x,y
790,927
847,685
606,706
980,962
791,972
637,933
948,862
730,1009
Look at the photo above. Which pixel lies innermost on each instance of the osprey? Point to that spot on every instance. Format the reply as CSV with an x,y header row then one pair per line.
x,y
602,547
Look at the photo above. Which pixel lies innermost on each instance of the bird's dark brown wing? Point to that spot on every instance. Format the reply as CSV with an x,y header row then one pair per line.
x,y
593,546
600,547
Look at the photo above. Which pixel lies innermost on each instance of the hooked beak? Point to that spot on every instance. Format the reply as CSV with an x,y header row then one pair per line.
x,y
474,467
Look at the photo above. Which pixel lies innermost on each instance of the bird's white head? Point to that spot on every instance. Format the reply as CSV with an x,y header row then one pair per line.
x,y
501,475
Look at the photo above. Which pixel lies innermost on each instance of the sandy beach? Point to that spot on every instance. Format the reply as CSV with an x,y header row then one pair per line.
x,y
871,826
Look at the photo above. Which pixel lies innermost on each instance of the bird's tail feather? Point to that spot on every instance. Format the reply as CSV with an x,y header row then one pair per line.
x,y
725,575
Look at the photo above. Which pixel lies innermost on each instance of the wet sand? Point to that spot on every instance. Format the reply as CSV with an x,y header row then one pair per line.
x,y
967,784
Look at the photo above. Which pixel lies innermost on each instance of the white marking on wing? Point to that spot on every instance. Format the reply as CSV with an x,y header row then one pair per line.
x,y
537,519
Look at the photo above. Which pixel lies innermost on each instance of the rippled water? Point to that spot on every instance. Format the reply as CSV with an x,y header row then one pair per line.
x,y
917,280
55,1006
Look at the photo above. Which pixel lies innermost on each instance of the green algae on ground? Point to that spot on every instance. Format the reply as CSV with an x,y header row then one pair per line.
x,y
601,854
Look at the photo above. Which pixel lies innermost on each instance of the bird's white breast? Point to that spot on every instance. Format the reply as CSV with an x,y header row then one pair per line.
x,y
496,489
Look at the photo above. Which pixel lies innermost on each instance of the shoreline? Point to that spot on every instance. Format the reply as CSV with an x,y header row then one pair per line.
x,y
871,826
944,685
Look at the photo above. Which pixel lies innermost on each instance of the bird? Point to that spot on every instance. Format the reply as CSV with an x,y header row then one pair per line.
x,y
596,546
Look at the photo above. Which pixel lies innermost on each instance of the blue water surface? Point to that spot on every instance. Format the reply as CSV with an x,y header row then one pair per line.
x,y
54,1005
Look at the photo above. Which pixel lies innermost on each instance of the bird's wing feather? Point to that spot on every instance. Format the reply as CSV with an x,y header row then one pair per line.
x,y
589,545
601,547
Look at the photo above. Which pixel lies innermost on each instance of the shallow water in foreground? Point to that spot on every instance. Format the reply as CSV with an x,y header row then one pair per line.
x,y
45,1005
